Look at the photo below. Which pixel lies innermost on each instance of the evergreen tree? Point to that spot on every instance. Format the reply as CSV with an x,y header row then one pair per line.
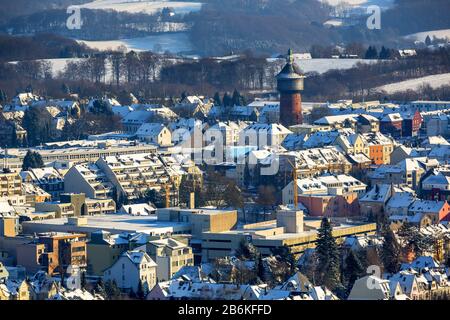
x,y
100,288
416,240
227,100
260,270
233,196
236,98
428,41
328,256
32,160
140,291
112,290
3,96
285,255
83,279
390,253
217,99
371,53
100,107
246,251
156,197
385,53
37,122
353,269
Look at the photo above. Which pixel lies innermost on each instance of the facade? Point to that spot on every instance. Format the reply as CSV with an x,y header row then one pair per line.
x,y
76,205
170,255
412,123
11,188
90,180
53,252
48,179
392,124
435,184
155,133
274,234
104,249
131,270
133,175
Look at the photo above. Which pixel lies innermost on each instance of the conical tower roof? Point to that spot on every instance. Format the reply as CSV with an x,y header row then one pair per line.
x,y
289,71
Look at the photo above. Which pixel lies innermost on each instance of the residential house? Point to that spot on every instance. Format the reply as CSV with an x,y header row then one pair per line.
x,y
155,133
170,255
132,270
104,249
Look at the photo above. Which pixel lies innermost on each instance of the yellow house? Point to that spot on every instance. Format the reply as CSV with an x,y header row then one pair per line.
x,y
4,292
170,255
23,291
352,144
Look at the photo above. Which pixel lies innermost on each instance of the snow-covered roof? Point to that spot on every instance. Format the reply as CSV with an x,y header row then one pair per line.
x,y
426,206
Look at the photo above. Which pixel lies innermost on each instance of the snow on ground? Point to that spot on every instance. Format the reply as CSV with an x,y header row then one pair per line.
x,y
136,6
324,65
435,81
350,2
58,65
421,36
173,42
360,3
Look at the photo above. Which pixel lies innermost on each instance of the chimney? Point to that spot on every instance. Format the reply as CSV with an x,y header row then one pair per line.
x,y
192,200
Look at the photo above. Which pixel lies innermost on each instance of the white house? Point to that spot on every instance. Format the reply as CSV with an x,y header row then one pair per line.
x,y
264,134
132,268
155,133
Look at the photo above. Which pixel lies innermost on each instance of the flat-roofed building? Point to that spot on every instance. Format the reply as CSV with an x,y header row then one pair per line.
x,y
269,235
53,252
114,223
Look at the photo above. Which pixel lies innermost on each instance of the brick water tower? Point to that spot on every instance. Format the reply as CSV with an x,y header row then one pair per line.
x,y
290,84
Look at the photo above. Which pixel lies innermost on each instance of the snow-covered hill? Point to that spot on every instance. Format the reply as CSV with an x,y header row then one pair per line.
x,y
421,36
324,65
136,6
435,81
173,42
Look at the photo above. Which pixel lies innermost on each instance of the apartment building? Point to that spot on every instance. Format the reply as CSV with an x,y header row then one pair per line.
x,y
170,255
81,151
90,180
11,188
133,175
48,179
53,252
75,205
289,229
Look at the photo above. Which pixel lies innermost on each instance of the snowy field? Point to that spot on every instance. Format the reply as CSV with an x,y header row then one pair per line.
x,y
360,3
324,65
421,36
58,65
136,6
173,42
435,81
